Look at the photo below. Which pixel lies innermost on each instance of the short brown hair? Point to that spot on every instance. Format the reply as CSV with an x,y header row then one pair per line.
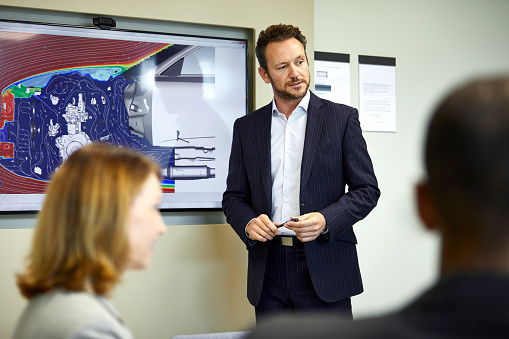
x,y
81,237
276,33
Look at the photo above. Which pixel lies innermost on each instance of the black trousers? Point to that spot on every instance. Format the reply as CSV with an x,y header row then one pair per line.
x,y
287,285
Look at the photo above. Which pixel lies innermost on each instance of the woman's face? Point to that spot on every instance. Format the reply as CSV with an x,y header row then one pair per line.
x,y
145,224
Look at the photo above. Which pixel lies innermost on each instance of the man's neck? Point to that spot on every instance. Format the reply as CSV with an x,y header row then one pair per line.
x,y
286,106
464,254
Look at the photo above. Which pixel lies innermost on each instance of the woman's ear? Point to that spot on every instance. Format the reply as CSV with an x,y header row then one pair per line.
x,y
426,205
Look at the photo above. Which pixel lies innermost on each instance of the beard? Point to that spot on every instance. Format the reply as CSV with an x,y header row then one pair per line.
x,y
282,93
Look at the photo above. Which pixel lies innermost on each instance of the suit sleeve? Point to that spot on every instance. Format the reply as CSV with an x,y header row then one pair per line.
x,y
363,191
237,197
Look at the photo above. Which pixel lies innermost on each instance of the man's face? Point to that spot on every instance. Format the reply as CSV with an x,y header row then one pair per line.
x,y
288,69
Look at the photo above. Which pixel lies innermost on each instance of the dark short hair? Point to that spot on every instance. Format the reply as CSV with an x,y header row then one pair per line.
x,y
467,157
276,33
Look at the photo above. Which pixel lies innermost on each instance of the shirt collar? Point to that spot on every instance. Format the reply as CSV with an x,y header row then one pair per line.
x,y
304,103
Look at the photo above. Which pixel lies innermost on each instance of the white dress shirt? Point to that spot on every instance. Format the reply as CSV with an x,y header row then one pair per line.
x,y
287,144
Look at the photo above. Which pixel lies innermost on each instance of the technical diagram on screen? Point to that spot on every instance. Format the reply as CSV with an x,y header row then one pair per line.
x,y
172,97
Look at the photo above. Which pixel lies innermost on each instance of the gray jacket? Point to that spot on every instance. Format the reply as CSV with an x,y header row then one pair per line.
x,y
60,314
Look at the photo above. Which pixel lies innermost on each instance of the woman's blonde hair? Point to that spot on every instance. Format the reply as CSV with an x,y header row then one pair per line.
x,y
81,240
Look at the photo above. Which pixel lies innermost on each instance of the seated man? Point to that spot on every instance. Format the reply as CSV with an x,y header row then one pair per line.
x,y
465,197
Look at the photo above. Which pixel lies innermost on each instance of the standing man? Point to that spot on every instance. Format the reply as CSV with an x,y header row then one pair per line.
x,y
291,160
465,198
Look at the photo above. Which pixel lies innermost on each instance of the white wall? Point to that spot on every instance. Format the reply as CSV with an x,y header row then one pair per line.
x,y
197,281
437,43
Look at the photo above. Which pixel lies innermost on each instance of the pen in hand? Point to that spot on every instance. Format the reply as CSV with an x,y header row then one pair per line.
x,y
283,223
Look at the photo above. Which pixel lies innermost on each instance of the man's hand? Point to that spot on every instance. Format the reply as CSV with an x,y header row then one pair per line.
x,y
261,228
309,226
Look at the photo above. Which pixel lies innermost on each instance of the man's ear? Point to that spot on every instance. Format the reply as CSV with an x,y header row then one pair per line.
x,y
426,205
264,75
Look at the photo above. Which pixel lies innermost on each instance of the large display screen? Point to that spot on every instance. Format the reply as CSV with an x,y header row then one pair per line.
x,y
173,97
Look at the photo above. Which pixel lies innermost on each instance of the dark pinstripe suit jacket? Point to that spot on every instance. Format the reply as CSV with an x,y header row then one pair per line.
x,y
335,155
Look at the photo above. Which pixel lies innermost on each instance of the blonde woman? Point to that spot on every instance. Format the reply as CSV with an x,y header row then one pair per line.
x,y
100,217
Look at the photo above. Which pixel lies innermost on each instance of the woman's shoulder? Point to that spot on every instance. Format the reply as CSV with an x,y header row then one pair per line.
x,y
67,303
65,314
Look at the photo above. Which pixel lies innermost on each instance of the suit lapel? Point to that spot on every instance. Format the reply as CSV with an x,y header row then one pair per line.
x,y
313,131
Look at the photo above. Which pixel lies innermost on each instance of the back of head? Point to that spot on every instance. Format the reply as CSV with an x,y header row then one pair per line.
x,y
467,159
81,240
276,33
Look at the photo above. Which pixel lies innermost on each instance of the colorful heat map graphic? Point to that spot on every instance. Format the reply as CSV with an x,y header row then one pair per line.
x,y
60,93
